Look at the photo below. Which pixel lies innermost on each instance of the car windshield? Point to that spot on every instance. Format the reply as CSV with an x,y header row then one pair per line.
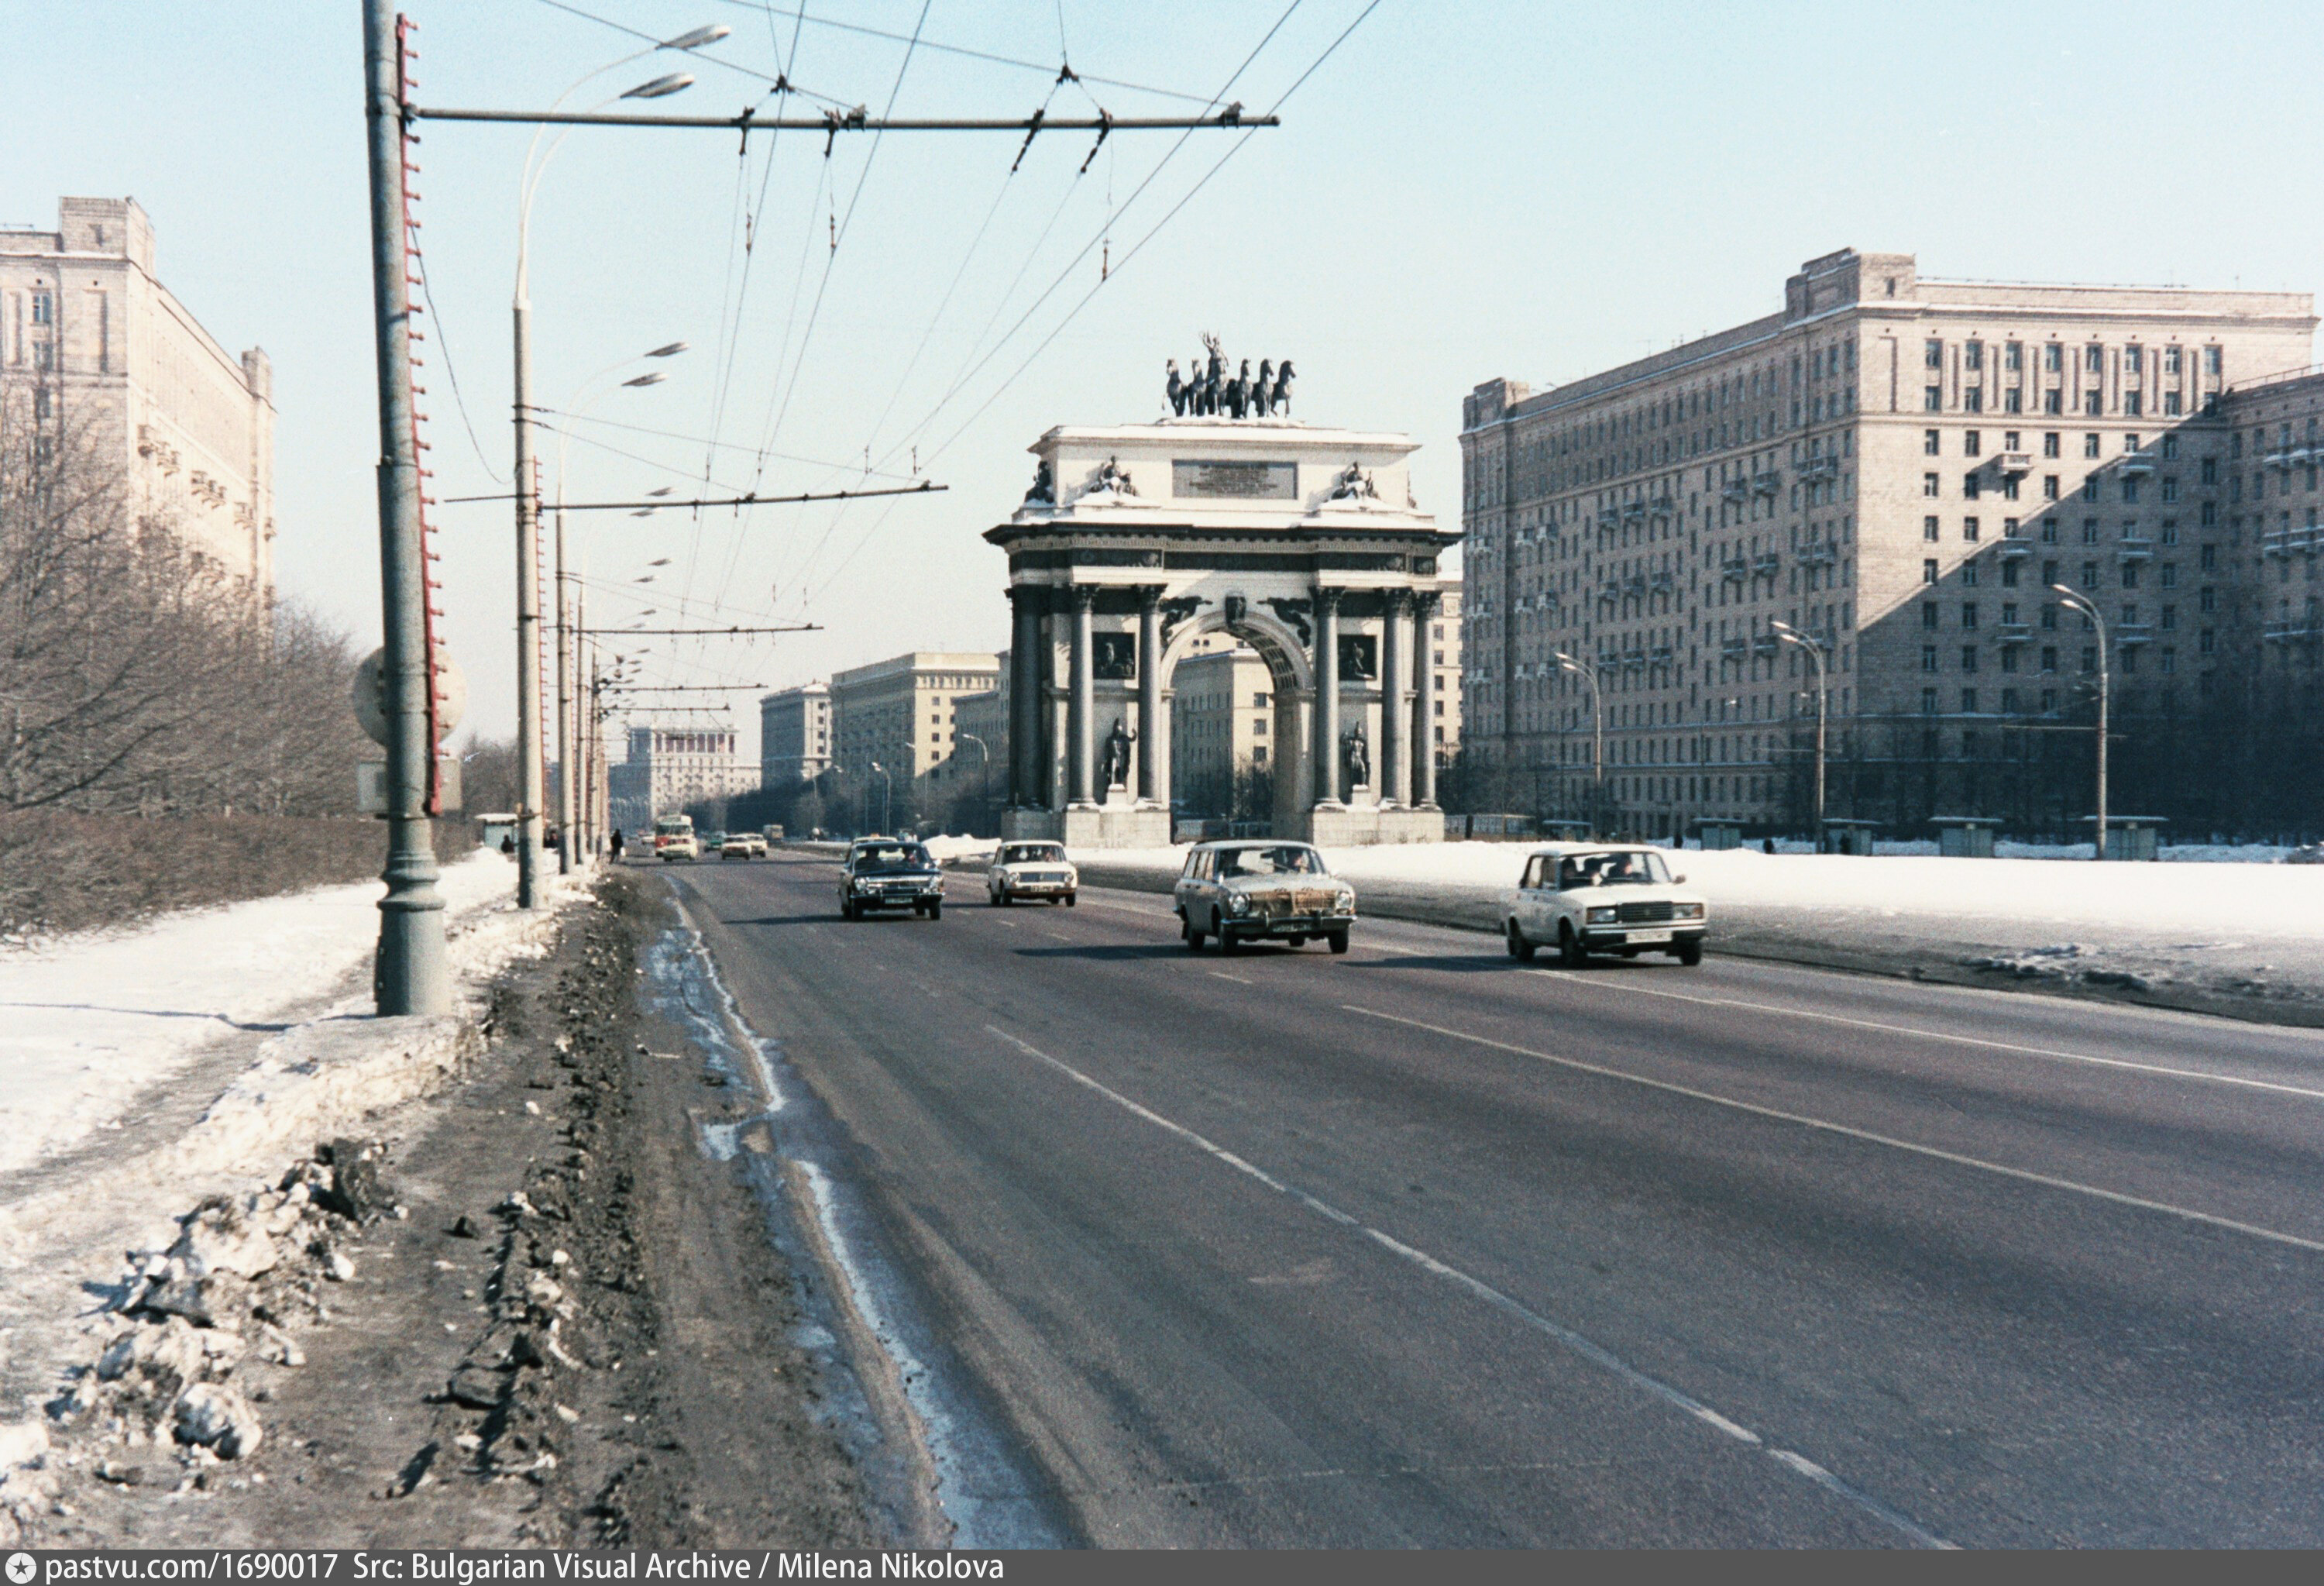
x,y
1612,869
1289,859
874,860
1033,853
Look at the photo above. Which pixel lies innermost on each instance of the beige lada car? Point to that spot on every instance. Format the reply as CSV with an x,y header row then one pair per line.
x,y
1614,898
1262,890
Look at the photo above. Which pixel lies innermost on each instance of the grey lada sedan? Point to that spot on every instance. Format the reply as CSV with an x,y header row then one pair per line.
x,y
1261,888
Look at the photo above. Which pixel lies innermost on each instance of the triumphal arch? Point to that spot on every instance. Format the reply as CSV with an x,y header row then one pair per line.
x,y
1302,541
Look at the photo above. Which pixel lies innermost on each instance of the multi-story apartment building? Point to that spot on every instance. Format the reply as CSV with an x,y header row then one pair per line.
x,y
1222,714
2274,453
1899,469
794,735
983,718
902,713
670,768
1444,644
107,364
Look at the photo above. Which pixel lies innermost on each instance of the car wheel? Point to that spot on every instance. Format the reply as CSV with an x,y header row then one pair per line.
x,y
846,909
1519,948
1295,941
1689,953
1069,898
1193,940
935,912
1571,953
1337,941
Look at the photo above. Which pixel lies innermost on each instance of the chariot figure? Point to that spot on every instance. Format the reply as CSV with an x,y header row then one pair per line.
x,y
1179,390
1263,392
1278,400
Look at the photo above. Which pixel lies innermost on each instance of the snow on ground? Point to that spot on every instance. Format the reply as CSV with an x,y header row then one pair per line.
x,y
146,1068
92,1019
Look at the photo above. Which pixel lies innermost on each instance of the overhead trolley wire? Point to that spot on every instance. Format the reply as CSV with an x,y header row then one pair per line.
x,y
1298,83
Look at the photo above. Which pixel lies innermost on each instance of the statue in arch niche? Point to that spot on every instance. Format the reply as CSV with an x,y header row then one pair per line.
x,y
1118,744
1358,755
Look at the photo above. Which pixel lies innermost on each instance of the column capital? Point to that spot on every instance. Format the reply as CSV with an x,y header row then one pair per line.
x,y
1428,602
1149,597
1327,597
1400,600
1082,597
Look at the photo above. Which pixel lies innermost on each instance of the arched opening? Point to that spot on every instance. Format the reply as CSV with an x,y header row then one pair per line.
x,y
1226,744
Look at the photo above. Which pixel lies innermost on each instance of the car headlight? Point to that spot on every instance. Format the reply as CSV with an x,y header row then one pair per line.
x,y
1604,913
1686,911
865,884
1239,903
1345,903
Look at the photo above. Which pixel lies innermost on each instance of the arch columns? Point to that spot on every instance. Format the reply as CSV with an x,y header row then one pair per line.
x,y
1326,752
1153,736
1396,719
1423,701
1026,790
1081,719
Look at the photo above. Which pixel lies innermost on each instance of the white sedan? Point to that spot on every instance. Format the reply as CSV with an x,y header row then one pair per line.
x,y
1036,873
1586,897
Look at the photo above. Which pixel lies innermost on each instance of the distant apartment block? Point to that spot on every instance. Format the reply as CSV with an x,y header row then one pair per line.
x,y
94,351
902,713
670,768
794,735
1898,468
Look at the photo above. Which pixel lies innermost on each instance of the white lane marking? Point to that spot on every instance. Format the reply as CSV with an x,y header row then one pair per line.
x,y
1595,1353
1932,1035
1060,936
1937,1153
1222,974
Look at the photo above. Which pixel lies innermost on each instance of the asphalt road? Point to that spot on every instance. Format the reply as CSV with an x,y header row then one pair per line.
x,y
1417,1247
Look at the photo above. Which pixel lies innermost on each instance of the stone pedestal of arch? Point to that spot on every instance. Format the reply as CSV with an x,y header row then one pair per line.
x,y
1300,541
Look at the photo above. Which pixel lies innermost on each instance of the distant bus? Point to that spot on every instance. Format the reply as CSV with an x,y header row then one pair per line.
x,y
674,838
774,833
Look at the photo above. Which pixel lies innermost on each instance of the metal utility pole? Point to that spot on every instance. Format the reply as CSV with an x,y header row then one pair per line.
x,y
410,974
1587,672
529,796
1814,647
887,797
568,740
2083,604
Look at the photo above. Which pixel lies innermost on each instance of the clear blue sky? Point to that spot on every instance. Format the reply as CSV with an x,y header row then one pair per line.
x,y
1462,191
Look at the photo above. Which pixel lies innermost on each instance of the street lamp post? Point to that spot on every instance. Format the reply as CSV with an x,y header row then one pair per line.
x,y
2083,604
887,793
530,772
983,765
1815,649
570,806
1588,673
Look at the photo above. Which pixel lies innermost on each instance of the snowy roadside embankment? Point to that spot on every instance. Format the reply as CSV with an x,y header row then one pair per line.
x,y
93,1019
148,1069
2221,936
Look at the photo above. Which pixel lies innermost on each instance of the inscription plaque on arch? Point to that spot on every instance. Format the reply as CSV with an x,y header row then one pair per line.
x,y
1235,480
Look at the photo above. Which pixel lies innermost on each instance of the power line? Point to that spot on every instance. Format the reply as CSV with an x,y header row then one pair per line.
x,y
1071,313
750,499
825,21
725,446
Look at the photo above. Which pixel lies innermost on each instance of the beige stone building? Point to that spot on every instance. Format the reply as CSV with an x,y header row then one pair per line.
x,y
92,345
1898,468
670,768
1221,719
903,713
